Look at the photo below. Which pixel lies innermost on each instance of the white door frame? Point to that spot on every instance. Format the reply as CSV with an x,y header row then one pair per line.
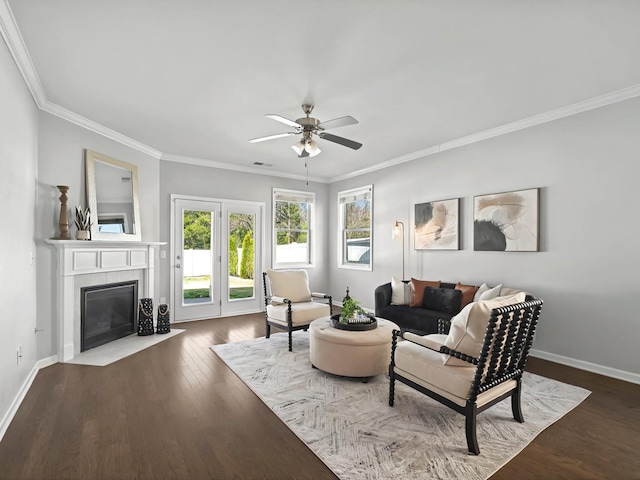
x,y
238,308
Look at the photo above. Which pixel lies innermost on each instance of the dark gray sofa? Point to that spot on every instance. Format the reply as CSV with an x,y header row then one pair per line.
x,y
421,321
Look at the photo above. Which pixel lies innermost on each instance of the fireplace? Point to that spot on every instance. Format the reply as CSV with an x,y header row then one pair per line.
x,y
86,264
107,312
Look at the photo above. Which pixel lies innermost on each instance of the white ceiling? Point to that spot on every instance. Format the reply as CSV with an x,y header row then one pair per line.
x,y
193,80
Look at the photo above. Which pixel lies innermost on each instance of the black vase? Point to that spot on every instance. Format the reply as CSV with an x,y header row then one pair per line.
x,y
162,325
145,317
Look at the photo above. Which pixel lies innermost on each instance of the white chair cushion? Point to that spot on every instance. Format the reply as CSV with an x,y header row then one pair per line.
x,y
301,313
291,284
427,366
424,367
469,327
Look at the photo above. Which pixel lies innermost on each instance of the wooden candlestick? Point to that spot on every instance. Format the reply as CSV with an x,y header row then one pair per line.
x,y
64,222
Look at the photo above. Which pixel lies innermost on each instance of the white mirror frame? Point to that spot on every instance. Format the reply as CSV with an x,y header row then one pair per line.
x,y
92,197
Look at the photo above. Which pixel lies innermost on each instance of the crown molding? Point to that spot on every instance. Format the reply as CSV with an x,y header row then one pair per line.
x,y
95,127
17,48
558,113
239,168
15,43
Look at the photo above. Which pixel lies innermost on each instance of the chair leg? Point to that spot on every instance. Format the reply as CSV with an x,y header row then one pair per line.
x,y
392,386
470,427
515,404
268,330
290,341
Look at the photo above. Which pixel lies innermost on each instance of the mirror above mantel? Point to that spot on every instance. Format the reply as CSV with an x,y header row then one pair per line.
x,y
112,196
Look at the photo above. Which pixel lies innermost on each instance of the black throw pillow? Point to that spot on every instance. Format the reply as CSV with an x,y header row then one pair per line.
x,y
442,299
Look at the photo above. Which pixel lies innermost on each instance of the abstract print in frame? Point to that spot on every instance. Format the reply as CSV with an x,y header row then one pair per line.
x,y
436,225
506,222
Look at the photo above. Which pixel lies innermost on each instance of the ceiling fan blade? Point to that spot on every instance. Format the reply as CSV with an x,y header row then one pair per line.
x,y
342,141
286,121
337,122
271,137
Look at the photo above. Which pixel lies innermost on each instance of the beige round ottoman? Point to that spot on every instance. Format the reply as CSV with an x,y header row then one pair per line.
x,y
350,353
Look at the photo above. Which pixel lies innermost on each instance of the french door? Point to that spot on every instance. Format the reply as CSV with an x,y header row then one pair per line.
x,y
217,257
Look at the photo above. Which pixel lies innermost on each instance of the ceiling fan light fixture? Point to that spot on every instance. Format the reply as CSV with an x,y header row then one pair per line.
x,y
299,147
312,148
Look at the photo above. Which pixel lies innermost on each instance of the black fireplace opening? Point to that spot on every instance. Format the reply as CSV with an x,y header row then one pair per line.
x,y
108,312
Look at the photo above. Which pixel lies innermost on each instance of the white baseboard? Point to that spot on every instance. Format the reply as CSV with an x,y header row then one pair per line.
x,y
45,362
589,367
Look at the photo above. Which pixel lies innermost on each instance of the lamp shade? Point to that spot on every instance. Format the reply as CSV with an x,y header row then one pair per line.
x,y
312,148
397,231
299,147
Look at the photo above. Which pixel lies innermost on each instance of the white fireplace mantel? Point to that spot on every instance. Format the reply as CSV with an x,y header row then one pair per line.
x,y
77,257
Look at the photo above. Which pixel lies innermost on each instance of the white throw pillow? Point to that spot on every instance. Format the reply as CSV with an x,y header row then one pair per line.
x,y
291,284
481,289
400,292
468,328
491,293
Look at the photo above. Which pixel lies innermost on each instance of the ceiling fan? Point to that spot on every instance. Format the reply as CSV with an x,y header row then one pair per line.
x,y
309,126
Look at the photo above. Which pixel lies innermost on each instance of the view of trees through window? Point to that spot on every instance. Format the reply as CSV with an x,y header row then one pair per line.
x,y
241,255
292,231
357,222
198,248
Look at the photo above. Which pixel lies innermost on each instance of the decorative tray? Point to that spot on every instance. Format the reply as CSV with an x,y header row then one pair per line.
x,y
369,324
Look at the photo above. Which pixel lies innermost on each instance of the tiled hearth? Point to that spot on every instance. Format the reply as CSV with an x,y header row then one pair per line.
x,y
87,263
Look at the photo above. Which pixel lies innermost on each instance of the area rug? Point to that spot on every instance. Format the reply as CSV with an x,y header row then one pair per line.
x,y
349,425
121,348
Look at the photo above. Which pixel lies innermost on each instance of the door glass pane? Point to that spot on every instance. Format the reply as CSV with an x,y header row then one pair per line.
x,y
197,265
241,255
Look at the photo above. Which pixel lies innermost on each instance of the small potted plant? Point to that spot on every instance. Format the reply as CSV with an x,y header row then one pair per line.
x,y
350,309
83,223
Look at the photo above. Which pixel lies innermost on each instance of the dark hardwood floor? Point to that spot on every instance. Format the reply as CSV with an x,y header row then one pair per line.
x,y
175,411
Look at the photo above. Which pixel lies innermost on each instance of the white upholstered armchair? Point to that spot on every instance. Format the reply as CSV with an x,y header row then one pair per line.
x,y
289,303
476,365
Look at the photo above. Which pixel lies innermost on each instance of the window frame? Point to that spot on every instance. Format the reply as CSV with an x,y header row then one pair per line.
x,y
281,194
360,193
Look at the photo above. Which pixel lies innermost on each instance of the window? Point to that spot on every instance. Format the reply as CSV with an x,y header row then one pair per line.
x,y
355,228
292,228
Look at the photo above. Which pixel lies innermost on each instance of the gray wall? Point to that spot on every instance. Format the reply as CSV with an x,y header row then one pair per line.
x,y
61,153
19,161
587,167
194,180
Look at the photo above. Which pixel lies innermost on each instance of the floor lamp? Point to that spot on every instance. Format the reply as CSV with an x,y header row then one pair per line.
x,y
398,228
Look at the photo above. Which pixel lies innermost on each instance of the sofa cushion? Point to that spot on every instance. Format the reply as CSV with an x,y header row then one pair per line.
x,y
291,284
442,299
491,293
417,290
481,289
417,320
468,291
400,292
468,328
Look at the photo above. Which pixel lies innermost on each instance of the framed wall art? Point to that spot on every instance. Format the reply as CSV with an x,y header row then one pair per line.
x,y
436,225
506,222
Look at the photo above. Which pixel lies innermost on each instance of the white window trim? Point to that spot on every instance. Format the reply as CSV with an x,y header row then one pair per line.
x,y
311,235
354,192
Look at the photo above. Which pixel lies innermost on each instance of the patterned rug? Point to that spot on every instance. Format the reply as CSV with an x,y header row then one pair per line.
x,y
349,425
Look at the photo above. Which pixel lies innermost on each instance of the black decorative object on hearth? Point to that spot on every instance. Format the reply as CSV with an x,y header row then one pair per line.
x,y
145,317
162,324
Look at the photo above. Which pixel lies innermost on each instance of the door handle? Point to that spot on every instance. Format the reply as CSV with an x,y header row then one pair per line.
x,y
178,265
